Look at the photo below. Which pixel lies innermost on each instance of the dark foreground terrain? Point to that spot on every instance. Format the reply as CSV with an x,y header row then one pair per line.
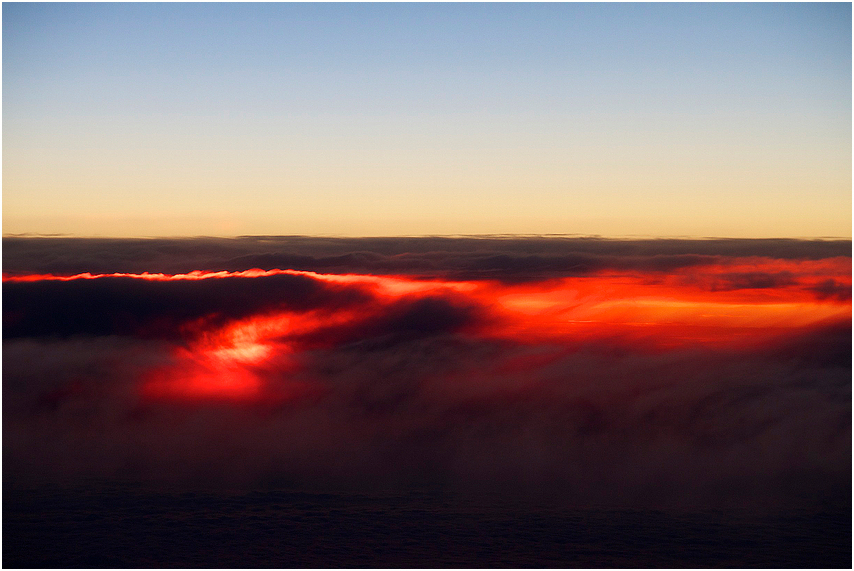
x,y
132,527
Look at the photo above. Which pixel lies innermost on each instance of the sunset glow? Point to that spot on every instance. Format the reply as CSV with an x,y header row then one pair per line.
x,y
734,304
438,285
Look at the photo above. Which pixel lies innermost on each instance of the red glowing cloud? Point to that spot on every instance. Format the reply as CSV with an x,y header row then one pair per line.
x,y
728,304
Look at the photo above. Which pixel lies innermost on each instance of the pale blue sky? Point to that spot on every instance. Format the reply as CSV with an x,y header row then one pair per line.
x,y
383,119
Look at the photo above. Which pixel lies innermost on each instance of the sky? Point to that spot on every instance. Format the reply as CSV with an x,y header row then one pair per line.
x,y
419,119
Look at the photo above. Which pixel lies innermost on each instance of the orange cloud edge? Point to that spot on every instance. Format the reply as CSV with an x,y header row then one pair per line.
x,y
738,303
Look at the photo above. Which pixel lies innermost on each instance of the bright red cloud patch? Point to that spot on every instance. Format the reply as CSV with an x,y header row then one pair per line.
x,y
743,301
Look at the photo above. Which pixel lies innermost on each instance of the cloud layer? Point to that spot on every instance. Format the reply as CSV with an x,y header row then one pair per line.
x,y
473,258
513,380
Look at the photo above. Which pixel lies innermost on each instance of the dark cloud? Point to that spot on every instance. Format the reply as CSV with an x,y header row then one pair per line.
x,y
592,425
503,258
397,322
827,345
157,309
752,280
831,289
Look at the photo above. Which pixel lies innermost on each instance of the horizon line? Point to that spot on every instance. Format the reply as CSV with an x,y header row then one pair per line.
x,y
550,235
